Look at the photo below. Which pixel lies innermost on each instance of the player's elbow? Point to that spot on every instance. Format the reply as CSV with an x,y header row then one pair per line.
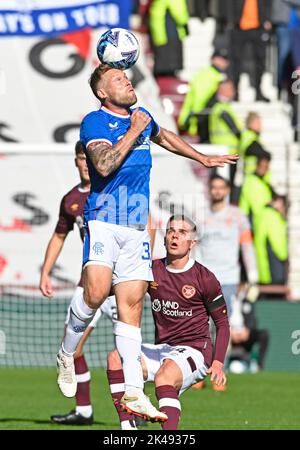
x,y
103,171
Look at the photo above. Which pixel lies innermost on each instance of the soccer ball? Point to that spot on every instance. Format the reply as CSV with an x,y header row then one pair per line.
x,y
118,48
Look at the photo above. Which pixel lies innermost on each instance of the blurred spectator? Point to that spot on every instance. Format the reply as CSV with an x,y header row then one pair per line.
x,y
201,96
200,8
226,231
168,20
295,31
245,335
224,126
250,146
271,243
280,18
295,63
256,191
250,20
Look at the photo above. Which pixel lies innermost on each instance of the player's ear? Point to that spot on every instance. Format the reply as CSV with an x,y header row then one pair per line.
x,y
165,241
101,94
76,164
193,243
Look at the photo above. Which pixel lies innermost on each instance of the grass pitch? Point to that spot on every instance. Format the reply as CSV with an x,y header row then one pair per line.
x,y
267,401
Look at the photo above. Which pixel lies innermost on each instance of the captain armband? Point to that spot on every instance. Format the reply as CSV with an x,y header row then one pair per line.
x,y
218,302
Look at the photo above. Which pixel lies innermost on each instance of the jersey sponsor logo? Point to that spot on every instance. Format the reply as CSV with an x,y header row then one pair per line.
x,y
113,125
98,248
188,291
74,207
169,308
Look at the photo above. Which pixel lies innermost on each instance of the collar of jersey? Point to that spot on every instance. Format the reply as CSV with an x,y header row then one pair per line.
x,y
109,111
80,189
188,265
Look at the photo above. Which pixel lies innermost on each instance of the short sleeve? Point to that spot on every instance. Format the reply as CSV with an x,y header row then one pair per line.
x,y
93,128
65,222
212,288
155,128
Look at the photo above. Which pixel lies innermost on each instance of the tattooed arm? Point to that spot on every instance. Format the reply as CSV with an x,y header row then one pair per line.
x,y
108,158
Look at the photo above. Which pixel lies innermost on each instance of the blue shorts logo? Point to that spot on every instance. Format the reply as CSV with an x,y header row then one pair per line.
x,y
98,248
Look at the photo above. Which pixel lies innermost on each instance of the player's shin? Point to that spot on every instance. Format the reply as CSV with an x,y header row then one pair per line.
x,y
83,377
128,343
169,404
80,317
117,389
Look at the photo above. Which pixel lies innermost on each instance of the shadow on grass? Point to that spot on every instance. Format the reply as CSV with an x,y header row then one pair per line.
x,y
48,422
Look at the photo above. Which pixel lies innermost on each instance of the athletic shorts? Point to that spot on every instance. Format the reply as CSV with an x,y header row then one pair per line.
x,y
190,361
125,250
108,307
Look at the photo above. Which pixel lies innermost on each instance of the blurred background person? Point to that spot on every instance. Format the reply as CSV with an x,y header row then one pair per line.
x,y
250,22
256,192
201,96
224,125
225,232
280,18
168,21
245,335
271,242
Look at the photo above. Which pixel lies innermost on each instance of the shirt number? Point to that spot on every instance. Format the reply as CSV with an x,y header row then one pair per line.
x,y
146,255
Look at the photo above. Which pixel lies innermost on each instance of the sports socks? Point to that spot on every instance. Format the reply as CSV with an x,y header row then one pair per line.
x,y
169,404
128,343
83,377
80,317
117,388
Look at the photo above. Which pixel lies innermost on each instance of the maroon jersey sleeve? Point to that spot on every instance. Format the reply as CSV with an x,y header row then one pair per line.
x,y
65,222
217,309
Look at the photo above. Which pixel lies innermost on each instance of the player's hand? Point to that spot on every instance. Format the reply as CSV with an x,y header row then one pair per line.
x,y
46,286
217,374
219,161
139,121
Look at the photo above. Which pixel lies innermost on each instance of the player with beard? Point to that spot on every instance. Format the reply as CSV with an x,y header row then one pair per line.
x,y
117,245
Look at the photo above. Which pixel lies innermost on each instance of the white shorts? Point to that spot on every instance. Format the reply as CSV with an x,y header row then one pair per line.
x,y
108,307
125,250
190,361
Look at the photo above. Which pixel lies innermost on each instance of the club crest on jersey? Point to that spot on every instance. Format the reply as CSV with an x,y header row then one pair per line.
x,y
98,248
74,207
188,291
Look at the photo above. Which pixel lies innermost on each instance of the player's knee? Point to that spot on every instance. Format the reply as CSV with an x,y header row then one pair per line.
x,y
169,373
78,353
94,295
162,377
114,361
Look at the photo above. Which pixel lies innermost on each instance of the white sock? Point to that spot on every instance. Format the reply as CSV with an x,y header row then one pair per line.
x,y
80,317
128,425
85,411
128,343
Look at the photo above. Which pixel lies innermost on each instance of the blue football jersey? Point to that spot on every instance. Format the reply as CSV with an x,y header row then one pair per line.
x,y
122,198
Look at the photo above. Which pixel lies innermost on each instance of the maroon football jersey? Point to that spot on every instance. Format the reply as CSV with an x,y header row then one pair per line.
x,y
181,302
71,212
